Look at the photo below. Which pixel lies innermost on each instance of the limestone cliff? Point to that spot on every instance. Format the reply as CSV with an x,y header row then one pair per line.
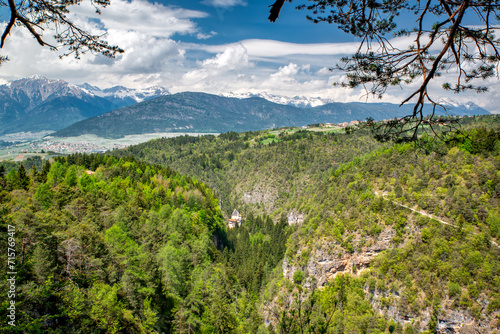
x,y
328,258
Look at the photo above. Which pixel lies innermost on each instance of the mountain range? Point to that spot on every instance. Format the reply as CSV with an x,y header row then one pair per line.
x,y
122,96
201,112
40,104
297,101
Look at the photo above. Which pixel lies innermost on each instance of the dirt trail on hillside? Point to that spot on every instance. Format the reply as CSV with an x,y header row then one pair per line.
x,y
424,213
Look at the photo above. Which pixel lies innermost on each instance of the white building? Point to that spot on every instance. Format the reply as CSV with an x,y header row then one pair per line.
x,y
235,219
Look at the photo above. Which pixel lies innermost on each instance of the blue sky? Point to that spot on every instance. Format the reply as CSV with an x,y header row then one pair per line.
x,y
214,46
248,20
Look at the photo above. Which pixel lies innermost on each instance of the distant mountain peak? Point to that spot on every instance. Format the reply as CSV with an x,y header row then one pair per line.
x,y
39,103
297,100
34,79
116,89
89,88
37,77
38,88
117,93
446,101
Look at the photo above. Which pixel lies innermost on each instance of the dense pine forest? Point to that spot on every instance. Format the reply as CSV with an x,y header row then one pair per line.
x,y
260,171
393,238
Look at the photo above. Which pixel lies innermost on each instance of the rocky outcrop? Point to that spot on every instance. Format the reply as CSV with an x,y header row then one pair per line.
x,y
264,194
329,258
295,217
449,320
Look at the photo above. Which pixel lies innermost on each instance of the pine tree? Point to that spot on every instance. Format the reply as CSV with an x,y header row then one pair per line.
x,y
24,179
45,171
35,175
3,182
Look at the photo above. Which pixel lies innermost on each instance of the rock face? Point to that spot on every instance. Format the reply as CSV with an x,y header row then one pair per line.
x,y
295,217
449,320
257,196
263,194
329,259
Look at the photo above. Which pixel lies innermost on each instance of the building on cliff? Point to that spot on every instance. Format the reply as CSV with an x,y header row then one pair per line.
x,y
235,219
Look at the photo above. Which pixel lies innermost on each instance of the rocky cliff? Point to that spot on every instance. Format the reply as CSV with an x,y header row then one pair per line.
x,y
328,259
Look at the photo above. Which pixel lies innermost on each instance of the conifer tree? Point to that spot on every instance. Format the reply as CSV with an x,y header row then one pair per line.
x,y
24,180
45,171
2,176
35,175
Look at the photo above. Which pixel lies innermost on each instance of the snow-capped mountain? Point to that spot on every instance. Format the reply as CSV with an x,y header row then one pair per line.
x,y
124,96
38,103
298,101
201,112
37,89
311,102
445,101
468,108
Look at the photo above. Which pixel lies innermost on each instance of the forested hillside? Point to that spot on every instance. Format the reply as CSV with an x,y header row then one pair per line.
x,y
382,266
267,171
264,171
426,274
396,238
107,245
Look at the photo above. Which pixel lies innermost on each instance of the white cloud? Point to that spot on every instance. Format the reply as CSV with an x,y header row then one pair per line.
x,y
139,16
286,73
224,3
324,71
201,35
234,57
143,29
270,48
147,32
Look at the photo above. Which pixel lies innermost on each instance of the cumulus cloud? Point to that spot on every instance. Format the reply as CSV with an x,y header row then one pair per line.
x,y
149,34
139,16
234,57
286,73
144,30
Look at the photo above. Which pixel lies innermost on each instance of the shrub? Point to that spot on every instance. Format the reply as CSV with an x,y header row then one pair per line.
x,y
298,276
